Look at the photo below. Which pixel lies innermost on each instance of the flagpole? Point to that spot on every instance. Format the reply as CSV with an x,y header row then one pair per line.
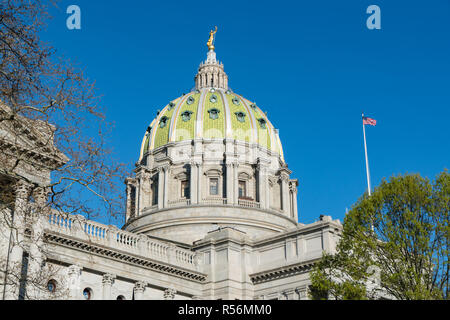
x,y
367,159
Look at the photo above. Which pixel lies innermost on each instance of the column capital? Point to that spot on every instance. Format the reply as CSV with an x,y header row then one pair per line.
x,y
195,164
108,278
169,293
284,177
130,181
139,286
74,270
282,296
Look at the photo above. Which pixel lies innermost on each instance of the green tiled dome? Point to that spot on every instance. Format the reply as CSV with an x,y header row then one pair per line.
x,y
211,114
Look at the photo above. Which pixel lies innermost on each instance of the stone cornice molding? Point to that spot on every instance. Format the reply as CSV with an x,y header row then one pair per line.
x,y
118,255
282,272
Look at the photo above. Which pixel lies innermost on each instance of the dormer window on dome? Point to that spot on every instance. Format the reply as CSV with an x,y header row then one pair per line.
x,y
236,101
240,116
186,115
171,105
213,113
190,100
213,98
262,123
163,121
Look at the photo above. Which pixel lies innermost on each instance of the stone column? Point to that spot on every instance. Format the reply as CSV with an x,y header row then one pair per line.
x,y
293,188
160,188
193,193
169,294
199,182
107,282
235,183
263,185
36,220
74,279
16,245
285,194
144,192
166,186
302,293
229,183
139,288
131,210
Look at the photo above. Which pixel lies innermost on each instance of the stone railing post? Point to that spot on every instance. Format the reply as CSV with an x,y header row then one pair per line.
x,y
78,226
171,254
142,245
111,236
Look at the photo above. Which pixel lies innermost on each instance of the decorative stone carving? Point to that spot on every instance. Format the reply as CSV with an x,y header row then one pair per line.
x,y
169,294
139,288
108,279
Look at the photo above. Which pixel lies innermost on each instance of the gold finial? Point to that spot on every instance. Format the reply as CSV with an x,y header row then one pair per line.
x,y
211,39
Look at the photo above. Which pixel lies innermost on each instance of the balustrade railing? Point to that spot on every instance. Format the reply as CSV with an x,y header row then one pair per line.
x,y
248,203
210,201
179,202
214,200
87,230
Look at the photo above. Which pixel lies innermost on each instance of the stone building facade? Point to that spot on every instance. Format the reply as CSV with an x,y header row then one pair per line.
x,y
211,212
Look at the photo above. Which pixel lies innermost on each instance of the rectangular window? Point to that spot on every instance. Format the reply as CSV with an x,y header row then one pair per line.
x,y
242,189
214,186
155,192
185,189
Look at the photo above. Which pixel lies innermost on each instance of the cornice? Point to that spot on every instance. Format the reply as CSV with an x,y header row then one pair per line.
x,y
282,272
118,255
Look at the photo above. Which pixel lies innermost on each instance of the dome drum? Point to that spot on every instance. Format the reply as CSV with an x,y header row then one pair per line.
x,y
210,158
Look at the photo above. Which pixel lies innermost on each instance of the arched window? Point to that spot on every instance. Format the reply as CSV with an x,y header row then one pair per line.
x,y
87,293
51,286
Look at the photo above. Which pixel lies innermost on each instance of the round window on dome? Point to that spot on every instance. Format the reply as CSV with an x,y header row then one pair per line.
x,y
253,106
190,100
240,116
171,105
213,98
236,101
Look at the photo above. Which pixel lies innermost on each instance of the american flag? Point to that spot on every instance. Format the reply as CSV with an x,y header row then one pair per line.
x,y
369,121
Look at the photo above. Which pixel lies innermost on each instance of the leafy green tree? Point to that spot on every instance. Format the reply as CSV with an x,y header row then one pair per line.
x,y
394,244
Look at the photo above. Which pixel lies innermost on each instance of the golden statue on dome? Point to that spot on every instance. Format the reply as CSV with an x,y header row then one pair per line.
x,y
211,39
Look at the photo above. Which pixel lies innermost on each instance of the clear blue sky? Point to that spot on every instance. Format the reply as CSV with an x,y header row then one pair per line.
x,y
312,65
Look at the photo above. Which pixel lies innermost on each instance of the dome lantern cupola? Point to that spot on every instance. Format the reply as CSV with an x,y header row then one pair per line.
x,y
211,73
